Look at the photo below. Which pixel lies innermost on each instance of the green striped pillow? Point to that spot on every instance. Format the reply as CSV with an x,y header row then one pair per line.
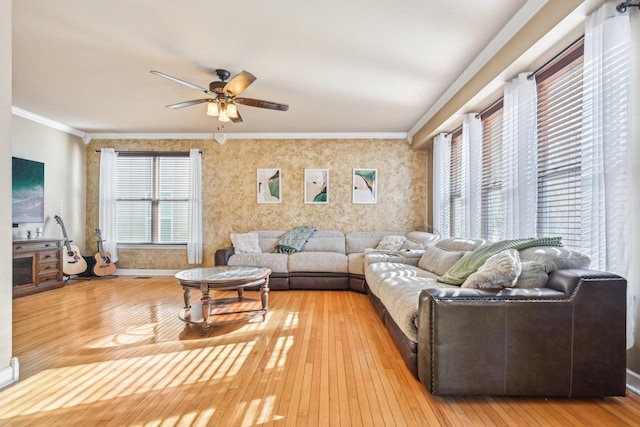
x,y
458,273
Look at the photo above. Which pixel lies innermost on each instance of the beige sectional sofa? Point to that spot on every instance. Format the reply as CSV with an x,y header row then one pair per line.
x,y
329,260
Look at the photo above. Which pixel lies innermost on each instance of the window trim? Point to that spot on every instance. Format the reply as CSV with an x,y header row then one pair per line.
x,y
154,200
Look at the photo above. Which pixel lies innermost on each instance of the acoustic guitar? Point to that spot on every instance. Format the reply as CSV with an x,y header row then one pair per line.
x,y
72,262
104,266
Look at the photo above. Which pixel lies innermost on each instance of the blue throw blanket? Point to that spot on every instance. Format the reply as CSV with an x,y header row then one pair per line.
x,y
294,240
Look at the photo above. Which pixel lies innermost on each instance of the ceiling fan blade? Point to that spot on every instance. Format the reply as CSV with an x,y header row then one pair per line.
x,y
239,83
182,82
262,104
237,119
189,103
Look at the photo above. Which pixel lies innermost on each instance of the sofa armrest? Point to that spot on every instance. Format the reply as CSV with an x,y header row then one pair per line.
x,y
223,254
550,341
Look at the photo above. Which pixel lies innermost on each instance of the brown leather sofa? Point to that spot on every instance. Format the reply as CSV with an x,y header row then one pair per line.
x,y
567,339
563,334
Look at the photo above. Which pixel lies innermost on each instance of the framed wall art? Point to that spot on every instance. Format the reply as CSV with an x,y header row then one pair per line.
x,y
316,186
365,186
27,186
269,188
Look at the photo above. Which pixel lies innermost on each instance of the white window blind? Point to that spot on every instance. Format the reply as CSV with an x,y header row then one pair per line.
x,y
492,212
559,139
456,206
152,193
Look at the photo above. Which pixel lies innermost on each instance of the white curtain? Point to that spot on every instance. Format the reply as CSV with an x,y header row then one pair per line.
x,y
519,157
472,167
605,165
194,244
442,183
107,201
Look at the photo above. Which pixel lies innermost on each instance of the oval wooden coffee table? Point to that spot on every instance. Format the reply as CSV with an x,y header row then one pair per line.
x,y
222,278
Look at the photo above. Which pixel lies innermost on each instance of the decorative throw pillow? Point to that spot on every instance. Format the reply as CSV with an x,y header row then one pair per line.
x,y
533,275
438,261
391,243
459,272
499,271
246,243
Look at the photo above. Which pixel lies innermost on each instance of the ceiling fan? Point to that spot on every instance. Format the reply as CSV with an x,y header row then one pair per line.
x,y
223,96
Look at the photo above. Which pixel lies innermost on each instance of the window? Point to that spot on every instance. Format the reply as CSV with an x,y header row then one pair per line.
x,y
456,210
152,195
559,149
559,127
492,218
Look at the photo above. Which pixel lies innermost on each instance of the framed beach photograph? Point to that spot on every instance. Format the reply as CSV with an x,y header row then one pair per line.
x,y
316,186
27,187
365,186
269,188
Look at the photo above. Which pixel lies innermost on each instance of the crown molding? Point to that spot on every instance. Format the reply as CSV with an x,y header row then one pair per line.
x,y
50,123
514,25
221,138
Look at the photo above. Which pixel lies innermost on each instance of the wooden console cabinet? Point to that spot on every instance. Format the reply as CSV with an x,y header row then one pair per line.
x,y
37,266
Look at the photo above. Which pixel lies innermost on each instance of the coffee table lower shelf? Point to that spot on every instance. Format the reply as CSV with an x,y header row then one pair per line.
x,y
220,313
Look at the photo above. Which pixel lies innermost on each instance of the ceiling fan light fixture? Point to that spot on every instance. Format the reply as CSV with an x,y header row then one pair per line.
x,y
232,110
213,109
224,117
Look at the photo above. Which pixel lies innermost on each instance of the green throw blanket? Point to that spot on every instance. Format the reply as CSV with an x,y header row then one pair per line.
x,y
294,240
469,263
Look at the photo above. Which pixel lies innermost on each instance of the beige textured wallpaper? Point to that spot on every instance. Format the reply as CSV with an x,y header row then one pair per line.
x,y
229,189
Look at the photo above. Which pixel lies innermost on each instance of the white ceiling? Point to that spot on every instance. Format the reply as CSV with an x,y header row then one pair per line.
x,y
362,66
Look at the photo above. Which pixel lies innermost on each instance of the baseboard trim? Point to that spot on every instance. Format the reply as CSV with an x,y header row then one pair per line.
x,y
633,381
10,374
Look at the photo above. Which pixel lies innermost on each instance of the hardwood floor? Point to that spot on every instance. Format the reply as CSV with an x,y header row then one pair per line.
x,y
113,352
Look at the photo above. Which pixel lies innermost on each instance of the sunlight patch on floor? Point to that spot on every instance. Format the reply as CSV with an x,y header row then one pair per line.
x,y
76,385
133,335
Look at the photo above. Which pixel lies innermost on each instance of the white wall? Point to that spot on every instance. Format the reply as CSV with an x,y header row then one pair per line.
x,y
7,374
63,156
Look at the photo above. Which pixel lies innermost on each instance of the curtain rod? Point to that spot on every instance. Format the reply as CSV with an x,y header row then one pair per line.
x,y
622,7
454,131
562,52
493,104
530,76
173,153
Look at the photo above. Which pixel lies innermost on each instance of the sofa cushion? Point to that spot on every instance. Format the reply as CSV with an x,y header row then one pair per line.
x,y
419,240
278,263
359,241
400,295
359,261
460,244
390,243
326,241
533,275
459,272
377,273
499,271
555,258
325,262
438,261
356,263
245,243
